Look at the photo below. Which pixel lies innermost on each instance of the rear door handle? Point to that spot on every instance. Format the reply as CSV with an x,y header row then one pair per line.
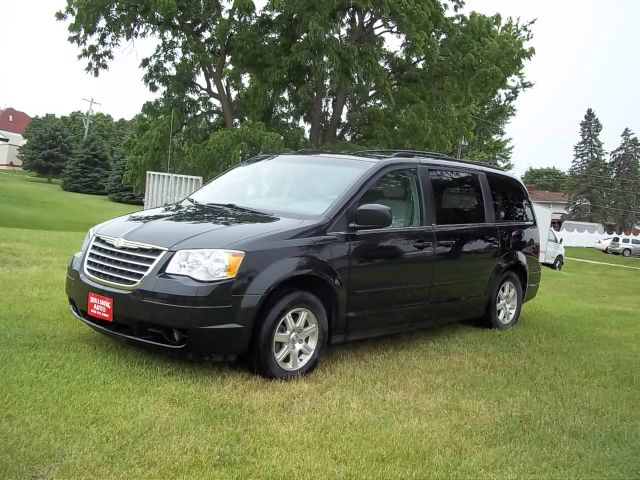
x,y
422,244
446,243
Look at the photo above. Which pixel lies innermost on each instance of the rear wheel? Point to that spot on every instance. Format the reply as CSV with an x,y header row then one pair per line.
x,y
558,263
505,303
291,337
626,252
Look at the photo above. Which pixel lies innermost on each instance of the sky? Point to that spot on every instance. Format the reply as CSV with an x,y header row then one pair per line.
x,y
586,56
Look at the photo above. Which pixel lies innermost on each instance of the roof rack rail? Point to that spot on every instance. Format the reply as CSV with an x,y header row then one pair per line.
x,y
393,152
386,153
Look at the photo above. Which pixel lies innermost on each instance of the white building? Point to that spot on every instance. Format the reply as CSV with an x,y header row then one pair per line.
x,y
13,123
556,201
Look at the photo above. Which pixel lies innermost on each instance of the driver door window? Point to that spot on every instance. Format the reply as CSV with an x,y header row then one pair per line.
x,y
400,191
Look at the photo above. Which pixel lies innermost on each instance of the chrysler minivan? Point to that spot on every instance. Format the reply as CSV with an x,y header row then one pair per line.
x,y
284,254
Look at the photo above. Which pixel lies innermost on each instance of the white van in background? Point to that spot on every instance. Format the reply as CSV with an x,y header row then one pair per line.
x,y
551,249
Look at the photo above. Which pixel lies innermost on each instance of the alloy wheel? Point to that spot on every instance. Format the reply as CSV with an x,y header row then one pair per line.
x,y
295,339
507,302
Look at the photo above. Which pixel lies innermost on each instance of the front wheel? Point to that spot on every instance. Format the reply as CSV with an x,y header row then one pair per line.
x,y
558,263
505,303
626,252
291,336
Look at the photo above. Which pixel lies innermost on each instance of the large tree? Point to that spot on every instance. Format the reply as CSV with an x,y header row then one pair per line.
x,y
625,167
48,147
589,184
411,74
551,179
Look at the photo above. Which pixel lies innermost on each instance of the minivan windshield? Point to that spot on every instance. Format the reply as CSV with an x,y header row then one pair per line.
x,y
286,184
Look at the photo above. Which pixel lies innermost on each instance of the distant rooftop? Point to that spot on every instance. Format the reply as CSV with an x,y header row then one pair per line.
x,y
14,121
542,196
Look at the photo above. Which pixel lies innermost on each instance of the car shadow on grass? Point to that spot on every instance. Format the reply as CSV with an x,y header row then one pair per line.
x,y
207,364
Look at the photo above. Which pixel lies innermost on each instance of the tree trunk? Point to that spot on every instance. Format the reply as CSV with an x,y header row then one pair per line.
x,y
339,101
225,101
315,132
49,175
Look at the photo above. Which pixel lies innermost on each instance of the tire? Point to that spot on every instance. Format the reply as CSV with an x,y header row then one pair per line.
x,y
508,282
606,250
626,252
558,263
289,317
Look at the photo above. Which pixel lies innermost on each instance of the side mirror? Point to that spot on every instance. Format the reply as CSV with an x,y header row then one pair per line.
x,y
372,215
561,241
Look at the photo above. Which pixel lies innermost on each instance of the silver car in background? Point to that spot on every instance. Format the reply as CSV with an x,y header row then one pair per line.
x,y
625,246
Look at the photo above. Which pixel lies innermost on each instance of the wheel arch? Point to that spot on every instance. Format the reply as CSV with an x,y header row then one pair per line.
x,y
304,273
512,261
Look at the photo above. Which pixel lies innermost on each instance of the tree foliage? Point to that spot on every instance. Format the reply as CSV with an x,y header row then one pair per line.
x,y
88,170
589,183
117,188
551,179
48,147
625,168
385,74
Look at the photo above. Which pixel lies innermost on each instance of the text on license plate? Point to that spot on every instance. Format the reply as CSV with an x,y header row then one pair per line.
x,y
100,307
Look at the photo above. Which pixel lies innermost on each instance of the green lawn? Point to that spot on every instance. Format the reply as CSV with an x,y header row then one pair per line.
x,y
32,203
555,397
598,256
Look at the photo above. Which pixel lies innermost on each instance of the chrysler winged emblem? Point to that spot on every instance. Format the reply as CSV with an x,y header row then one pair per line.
x,y
119,242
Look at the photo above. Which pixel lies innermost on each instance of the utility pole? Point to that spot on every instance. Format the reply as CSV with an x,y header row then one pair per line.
x,y
86,120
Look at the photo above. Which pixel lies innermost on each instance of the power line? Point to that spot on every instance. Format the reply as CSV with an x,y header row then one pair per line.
x,y
606,178
614,208
556,140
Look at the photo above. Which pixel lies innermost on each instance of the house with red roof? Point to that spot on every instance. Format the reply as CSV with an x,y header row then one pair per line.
x,y
13,123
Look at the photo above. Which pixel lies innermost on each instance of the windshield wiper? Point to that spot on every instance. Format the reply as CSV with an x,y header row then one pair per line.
x,y
195,202
235,207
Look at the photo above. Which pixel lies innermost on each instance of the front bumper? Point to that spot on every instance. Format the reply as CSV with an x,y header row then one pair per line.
x,y
175,314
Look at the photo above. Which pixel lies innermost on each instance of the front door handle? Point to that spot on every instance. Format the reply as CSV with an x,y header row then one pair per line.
x,y
422,244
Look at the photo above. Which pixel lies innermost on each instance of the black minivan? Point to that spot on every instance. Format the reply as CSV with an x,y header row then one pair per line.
x,y
283,254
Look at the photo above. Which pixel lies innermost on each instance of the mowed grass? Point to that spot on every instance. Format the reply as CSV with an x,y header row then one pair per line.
x,y
555,397
599,256
32,203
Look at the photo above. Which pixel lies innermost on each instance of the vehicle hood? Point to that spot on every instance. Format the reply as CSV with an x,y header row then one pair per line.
x,y
193,226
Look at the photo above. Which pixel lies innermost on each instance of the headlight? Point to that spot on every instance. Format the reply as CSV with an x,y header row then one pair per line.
x,y
206,265
87,240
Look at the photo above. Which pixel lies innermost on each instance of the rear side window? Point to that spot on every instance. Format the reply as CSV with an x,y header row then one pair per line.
x,y
625,240
510,202
635,242
458,197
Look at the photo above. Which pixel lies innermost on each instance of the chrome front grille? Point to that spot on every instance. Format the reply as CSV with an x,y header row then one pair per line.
x,y
119,262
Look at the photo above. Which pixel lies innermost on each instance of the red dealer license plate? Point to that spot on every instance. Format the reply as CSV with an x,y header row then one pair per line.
x,y
100,307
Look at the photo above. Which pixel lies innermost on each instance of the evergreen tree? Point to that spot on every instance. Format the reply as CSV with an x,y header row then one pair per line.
x,y
625,166
589,183
117,189
48,147
88,170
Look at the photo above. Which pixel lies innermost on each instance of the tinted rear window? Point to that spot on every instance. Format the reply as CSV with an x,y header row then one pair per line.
x,y
458,197
510,201
635,242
